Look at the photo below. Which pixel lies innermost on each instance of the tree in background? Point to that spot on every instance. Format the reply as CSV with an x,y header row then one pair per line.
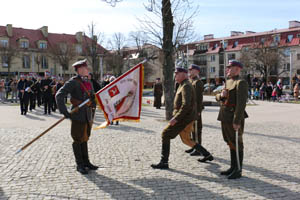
x,y
7,54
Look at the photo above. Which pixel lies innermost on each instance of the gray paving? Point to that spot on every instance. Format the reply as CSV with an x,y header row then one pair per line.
x,y
46,170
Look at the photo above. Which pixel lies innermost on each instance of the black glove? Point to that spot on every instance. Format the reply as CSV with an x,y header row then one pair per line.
x,y
67,115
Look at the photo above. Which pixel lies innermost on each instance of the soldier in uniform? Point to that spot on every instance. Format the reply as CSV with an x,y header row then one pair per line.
x,y
182,122
157,92
23,95
198,86
232,115
47,93
81,122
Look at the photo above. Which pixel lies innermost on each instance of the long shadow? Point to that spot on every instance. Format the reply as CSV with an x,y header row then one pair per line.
x,y
40,195
254,186
30,116
116,189
181,189
2,195
290,139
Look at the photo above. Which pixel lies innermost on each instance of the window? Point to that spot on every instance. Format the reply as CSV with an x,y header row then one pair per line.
x,y
262,40
225,44
79,49
289,38
24,44
44,62
286,67
43,45
26,61
287,52
298,56
4,43
4,60
298,35
231,56
212,58
216,46
235,44
276,38
212,69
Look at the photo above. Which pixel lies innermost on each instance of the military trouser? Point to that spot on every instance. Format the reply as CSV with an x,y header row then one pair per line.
x,y
47,104
32,101
157,101
80,131
24,100
229,135
197,136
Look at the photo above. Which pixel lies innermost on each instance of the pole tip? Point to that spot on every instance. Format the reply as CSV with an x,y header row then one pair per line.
x,y
19,151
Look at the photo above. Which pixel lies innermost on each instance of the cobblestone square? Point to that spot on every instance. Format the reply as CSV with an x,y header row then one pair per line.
x,y
46,169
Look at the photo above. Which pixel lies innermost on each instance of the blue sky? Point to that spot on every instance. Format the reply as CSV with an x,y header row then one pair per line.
x,y
218,17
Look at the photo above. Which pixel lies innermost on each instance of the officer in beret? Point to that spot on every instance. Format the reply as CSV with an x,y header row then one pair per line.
x,y
80,89
184,114
232,115
198,86
157,92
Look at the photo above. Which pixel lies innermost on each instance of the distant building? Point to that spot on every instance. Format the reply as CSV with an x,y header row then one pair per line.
x,y
39,51
212,54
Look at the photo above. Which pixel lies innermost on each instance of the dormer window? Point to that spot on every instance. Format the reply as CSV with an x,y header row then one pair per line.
x,y
235,44
24,44
3,43
43,45
225,44
79,49
276,38
290,38
262,40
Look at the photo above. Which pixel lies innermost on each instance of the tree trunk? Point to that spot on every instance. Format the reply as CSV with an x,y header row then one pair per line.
x,y
168,64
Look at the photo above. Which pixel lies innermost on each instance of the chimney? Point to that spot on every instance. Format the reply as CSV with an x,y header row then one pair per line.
x,y
9,30
44,30
79,37
236,33
249,32
209,36
294,24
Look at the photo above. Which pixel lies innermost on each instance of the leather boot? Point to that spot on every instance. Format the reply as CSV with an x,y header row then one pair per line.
x,y
204,152
85,155
236,173
232,157
165,152
189,150
78,158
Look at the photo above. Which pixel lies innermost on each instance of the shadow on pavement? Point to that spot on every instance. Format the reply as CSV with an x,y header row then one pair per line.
x,y
164,188
2,196
116,189
126,128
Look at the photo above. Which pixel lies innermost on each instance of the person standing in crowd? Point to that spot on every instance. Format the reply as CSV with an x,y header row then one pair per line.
x,y
14,90
38,91
2,90
96,85
53,92
182,122
7,88
279,88
157,92
47,93
262,91
269,90
198,86
23,95
232,115
31,93
296,91
81,122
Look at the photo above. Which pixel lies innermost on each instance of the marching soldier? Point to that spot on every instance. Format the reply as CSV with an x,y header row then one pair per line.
x,y
182,122
23,95
157,92
198,86
81,122
47,93
53,92
38,91
31,93
232,115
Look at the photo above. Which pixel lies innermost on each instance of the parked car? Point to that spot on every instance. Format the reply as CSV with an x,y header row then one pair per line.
x,y
209,88
218,89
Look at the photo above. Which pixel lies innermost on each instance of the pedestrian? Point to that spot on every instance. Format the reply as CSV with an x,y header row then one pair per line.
x,y
262,91
269,90
7,88
14,90
198,87
296,91
157,93
47,92
80,89
184,114
274,94
2,90
96,85
23,94
232,115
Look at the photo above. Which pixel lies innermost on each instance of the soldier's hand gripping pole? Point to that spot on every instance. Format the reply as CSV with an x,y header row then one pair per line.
x,y
237,150
55,124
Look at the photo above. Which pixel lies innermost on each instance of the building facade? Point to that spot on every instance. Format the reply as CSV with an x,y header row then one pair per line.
x,y
27,50
212,54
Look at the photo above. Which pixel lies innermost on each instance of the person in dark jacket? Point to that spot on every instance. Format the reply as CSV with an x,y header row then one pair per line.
x,y
23,94
80,89
157,92
47,93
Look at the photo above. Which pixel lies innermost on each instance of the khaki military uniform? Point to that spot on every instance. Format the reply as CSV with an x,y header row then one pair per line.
x,y
157,92
198,85
232,111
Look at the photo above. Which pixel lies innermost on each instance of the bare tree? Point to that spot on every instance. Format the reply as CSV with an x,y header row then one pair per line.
x,y
63,53
92,49
264,58
161,32
7,54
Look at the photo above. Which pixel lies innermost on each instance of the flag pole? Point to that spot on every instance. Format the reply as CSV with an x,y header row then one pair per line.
x,y
55,124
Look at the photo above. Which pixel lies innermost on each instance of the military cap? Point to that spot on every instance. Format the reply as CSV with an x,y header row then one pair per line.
x,y
193,66
179,69
234,63
80,63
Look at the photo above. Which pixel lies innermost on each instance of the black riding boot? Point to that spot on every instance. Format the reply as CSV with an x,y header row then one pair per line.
x,y
204,152
79,158
236,173
85,155
232,161
165,152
